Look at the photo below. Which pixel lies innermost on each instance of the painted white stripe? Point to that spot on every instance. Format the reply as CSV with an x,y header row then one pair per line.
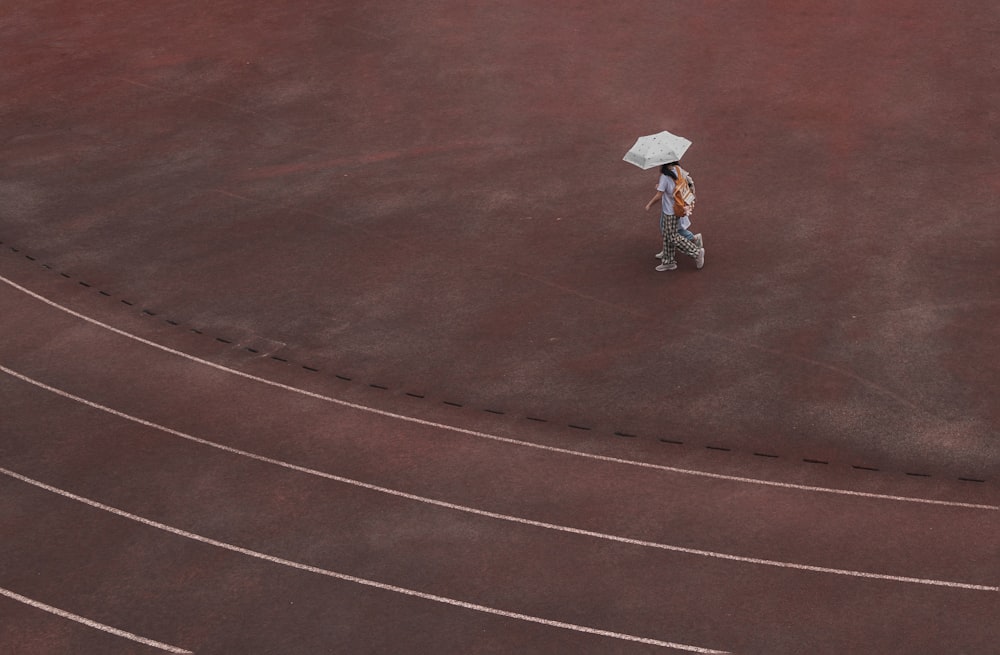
x,y
493,437
91,624
498,516
362,581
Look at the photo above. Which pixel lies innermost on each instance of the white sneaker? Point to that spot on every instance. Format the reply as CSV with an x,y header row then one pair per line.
x,y
659,255
700,260
698,241
667,267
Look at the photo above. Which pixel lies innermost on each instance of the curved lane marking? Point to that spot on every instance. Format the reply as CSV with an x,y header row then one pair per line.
x,y
493,437
495,515
90,623
350,578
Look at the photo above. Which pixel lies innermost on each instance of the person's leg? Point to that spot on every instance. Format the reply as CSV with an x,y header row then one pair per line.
x,y
688,248
663,226
667,257
682,244
687,234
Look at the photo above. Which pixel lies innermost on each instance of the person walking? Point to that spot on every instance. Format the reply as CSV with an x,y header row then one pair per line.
x,y
670,214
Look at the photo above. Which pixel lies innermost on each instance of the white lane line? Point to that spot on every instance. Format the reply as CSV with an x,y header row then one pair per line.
x,y
493,437
498,516
350,578
91,624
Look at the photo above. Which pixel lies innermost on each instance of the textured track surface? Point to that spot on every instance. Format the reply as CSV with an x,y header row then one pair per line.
x,y
333,327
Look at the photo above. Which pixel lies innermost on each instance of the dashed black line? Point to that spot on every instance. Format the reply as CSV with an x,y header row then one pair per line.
x,y
574,426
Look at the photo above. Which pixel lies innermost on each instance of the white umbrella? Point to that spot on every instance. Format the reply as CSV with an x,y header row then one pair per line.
x,y
656,149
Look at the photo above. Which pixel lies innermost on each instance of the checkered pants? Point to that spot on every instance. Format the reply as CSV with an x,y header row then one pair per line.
x,y
672,240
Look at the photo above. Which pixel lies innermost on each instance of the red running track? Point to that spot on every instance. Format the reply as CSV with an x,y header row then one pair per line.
x,y
331,327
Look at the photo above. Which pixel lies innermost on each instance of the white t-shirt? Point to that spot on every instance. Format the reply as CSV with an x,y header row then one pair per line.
x,y
667,186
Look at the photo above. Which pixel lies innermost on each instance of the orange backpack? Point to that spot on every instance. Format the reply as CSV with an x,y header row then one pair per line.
x,y
683,192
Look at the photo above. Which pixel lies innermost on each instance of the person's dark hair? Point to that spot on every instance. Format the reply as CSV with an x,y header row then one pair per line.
x,y
667,170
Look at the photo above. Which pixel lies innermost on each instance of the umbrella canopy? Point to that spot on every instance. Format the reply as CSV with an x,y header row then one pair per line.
x,y
656,149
